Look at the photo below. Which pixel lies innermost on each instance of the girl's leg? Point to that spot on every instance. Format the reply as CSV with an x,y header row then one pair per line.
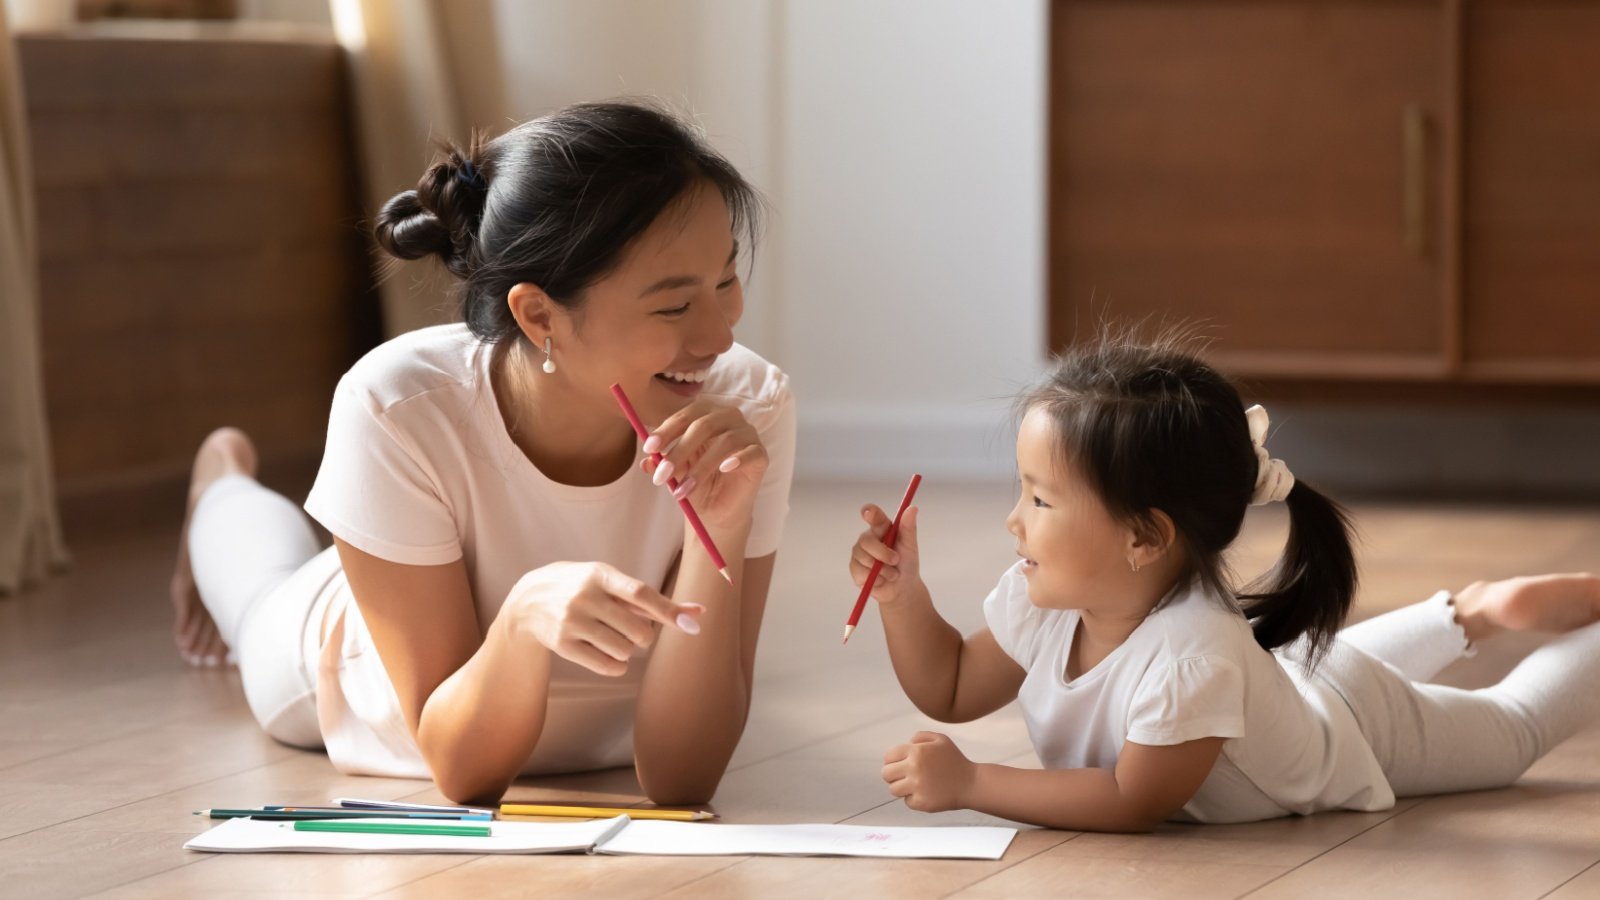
x,y
1421,639
1434,739
1417,640
247,546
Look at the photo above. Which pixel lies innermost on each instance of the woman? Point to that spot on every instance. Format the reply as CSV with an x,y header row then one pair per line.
x,y
508,592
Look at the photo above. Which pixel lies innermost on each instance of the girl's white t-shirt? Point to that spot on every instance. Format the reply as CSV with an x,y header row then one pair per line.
x,y
1191,670
420,469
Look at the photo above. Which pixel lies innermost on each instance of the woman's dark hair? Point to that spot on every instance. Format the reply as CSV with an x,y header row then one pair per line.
x,y
555,201
1151,427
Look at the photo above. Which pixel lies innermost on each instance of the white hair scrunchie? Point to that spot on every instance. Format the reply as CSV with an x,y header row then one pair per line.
x,y
1273,478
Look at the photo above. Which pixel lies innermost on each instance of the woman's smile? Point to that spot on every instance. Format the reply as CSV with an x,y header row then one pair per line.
x,y
684,383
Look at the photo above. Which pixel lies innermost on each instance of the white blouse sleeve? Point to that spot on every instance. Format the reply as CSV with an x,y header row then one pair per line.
x,y
375,492
776,426
1188,699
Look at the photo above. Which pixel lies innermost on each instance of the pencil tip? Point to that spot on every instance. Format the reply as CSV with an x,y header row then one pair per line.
x,y
847,630
724,573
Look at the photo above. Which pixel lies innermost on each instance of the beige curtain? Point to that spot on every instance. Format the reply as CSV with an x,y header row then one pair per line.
x,y
405,95
30,530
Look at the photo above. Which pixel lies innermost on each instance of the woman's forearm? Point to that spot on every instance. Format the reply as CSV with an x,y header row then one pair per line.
x,y
925,651
695,696
480,725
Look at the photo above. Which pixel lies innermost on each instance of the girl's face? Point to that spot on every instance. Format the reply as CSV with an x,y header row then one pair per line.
x,y
1075,555
657,323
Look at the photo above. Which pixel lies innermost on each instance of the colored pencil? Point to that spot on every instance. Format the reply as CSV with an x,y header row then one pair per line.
x,y
355,827
604,812
877,564
287,815
358,803
672,483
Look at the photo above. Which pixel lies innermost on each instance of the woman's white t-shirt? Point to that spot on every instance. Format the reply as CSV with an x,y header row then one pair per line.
x,y
419,469
1191,670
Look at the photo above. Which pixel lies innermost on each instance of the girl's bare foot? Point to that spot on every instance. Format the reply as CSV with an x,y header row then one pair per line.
x,y
226,451
1554,603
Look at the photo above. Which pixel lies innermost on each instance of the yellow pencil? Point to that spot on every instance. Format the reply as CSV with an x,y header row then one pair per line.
x,y
603,812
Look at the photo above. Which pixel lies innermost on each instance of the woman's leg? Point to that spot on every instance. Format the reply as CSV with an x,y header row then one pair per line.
x,y
246,547
225,451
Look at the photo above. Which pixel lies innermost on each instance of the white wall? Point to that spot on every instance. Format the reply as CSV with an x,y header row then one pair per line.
x,y
912,187
901,144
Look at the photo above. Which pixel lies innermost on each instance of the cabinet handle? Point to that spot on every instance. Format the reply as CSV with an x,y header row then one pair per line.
x,y
1414,184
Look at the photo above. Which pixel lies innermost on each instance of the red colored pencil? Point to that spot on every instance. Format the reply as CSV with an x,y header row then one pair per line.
x,y
877,565
672,483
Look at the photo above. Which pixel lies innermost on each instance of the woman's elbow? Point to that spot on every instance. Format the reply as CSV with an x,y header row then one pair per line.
x,y
680,789
469,788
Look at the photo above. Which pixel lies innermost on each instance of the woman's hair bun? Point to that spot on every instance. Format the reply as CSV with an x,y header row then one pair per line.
x,y
440,217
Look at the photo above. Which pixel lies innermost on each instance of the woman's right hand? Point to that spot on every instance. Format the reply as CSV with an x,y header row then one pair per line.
x,y
593,614
900,570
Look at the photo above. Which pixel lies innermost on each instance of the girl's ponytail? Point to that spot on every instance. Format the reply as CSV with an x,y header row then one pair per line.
x,y
1309,591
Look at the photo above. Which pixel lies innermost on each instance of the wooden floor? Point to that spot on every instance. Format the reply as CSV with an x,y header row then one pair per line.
x,y
108,743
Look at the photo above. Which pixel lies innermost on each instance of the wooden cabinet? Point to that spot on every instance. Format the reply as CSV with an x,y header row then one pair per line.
x,y
202,260
1388,191
1531,154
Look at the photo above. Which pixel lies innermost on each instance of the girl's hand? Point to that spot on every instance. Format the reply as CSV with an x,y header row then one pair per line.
x,y
717,458
593,614
930,773
900,563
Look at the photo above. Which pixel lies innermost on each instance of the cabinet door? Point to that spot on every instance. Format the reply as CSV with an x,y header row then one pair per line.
x,y
1531,236
1270,170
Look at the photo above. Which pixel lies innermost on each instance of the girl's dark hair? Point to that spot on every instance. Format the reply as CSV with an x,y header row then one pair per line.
x,y
1151,427
555,201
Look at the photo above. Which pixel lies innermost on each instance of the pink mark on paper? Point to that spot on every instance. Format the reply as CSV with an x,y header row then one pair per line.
x,y
877,836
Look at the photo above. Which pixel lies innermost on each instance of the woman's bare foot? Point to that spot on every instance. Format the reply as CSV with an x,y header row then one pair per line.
x,y
1554,603
226,451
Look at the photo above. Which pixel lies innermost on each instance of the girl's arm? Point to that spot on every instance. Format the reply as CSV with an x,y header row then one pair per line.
x,y
475,698
1148,786
948,678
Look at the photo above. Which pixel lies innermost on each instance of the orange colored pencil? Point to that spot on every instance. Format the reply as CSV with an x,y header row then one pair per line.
x,y
877,565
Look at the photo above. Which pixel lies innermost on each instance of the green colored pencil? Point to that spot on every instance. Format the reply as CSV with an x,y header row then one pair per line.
x,y
359,827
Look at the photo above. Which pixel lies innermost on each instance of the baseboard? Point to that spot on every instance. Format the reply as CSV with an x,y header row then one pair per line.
x,y
1420,451
1492,453
154,497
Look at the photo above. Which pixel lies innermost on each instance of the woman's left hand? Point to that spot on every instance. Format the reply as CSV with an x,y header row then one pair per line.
x,y
931,773
718,460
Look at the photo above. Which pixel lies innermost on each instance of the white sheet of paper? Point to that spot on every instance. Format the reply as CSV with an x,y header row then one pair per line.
x,y
657,838
265,836
622,836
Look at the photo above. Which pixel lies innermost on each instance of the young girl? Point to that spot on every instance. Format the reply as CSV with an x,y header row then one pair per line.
x,y
508,592
1150,689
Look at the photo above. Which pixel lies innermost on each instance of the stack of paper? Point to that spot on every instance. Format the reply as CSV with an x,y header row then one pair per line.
x,y
624,836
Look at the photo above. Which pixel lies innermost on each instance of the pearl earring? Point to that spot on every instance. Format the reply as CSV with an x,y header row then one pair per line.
x,y
549,364
1133,565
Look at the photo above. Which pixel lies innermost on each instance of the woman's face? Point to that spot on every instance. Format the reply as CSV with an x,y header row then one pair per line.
x,y
657,323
